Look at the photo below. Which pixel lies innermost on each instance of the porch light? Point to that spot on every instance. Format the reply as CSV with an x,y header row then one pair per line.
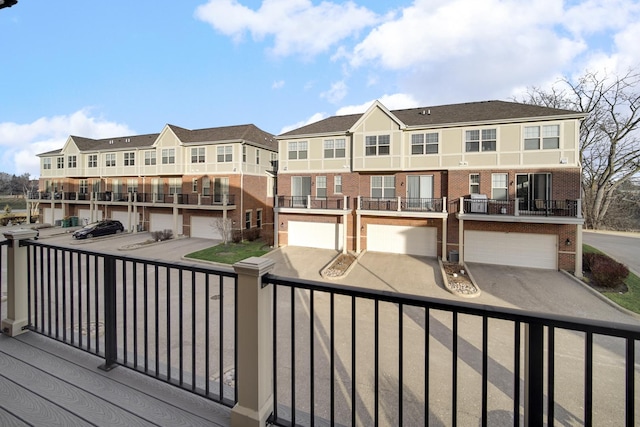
x,y
568,242
7,3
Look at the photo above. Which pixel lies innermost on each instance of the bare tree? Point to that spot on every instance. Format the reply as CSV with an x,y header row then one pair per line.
x,y
609,138
223,226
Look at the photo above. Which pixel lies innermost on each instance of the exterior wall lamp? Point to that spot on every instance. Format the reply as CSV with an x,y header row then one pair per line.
x,y
567,242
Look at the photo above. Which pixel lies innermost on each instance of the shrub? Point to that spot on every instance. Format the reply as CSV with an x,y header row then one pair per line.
x,y
606,272
236,236
267,235
162,235
252,234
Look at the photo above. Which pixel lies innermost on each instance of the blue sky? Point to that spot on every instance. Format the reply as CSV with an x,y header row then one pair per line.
x,y
100,69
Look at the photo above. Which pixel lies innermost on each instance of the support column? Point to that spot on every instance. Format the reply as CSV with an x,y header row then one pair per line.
x,y
344,233
17,302
276,227
578,265
445,255
254,370
461,242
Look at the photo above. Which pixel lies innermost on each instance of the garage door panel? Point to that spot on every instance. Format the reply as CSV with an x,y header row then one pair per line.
x,y
85,215
402,239
316,235
203,227
123,217
159,222
51,215
515,249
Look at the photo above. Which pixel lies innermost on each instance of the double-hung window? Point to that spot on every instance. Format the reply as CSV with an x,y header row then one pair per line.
x,y
92,161
477,139
175,185
247,220
474,183
84,186
337,184
545,137
129,159
499,189
132,185
197,155
110,159
259,218
257,156
383,187
206,186
46,163
168,156
334,148
60,163
298,150
225,154
194,185
424,143
149,158
72,161
321,187
377,145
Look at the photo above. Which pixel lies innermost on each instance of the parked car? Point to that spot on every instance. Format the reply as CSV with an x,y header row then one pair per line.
x,y
100,228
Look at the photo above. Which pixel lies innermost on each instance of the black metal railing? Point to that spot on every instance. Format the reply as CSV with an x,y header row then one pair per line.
x,y
563,208
313,202
348,356
405,204
172,321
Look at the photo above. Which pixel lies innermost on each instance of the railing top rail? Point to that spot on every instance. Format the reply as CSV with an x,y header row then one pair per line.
x,y
621,330
180,265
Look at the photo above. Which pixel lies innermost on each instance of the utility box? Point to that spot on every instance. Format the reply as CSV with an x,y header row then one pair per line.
x,y
454,256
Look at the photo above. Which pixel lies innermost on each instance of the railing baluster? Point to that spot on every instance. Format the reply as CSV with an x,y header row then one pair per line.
x,y
353,361
207,302
292,297
427,336
134,273
110,314
588,380
375,363
332,354
48,291
168,316
125,336
485,357
145,309
275,352
96,300
454,370
630,386
156,315
400,364
64,295
221,334
312,371
516,375
193,330
56,290
551,375
180,326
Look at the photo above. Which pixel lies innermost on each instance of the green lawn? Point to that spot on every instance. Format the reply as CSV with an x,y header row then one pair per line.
x,y
231,252
629,300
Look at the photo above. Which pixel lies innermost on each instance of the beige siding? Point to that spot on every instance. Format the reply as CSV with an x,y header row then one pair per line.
x,y
510,139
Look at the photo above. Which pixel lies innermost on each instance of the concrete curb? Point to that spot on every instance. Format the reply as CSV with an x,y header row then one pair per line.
x,y
445,279
346,272
601,297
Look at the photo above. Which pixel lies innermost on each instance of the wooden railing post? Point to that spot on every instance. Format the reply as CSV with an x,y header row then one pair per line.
x,y
17,302
110,315
254,329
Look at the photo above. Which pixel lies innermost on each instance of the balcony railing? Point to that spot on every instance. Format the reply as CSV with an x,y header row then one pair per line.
x,y
402,204
520,207
309,202
108,196
322,353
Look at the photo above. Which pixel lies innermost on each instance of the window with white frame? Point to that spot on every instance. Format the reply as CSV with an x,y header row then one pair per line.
x,y
337,184
220,189
110,160
377,145
129,159
92,161
298,150
197,155
545,137
247,220
149,158
321,187
499,186
244,154
478,139
132,185
194,185
383,187
83,187
60,162
206,186
225,154
175,185
334,148
168,156
259,218
72,161
424,143
257,156
46,163
474,183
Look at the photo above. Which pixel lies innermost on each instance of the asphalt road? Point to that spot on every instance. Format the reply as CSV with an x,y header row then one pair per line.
x,y
623,247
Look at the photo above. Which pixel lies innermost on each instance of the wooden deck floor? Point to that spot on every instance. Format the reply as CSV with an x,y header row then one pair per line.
x,y
46,383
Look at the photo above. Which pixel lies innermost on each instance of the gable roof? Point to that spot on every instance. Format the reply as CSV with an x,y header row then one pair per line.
x,y
453,114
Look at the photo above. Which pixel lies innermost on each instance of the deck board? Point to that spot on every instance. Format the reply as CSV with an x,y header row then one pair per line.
x,y
58,376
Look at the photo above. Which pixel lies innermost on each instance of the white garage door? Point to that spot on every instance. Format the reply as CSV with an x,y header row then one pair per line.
x,y
316,235
203,227
85,216
51,215
402,239
517,249
123,217
161,222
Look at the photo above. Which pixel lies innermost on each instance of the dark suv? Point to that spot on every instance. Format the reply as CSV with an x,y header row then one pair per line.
x,y
100,228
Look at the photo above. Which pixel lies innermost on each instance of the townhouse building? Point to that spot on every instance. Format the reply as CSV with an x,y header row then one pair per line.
x,y
493,182
178,179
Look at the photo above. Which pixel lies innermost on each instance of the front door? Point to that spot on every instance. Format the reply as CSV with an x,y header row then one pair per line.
x,y
533,190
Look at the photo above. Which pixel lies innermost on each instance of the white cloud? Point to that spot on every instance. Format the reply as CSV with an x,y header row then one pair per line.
x,y
297,26
278,84
21,143
336,93
314,118
396,101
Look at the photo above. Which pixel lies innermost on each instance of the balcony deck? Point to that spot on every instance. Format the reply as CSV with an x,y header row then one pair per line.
x,y
44,382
